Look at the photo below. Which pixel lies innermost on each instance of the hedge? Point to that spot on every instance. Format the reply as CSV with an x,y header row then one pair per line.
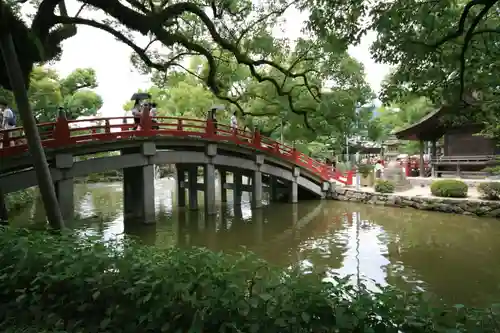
x,y
489,190
60,283
19,200
449,188
384,186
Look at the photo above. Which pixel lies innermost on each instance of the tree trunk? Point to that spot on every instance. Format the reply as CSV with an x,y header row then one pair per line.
x,y
40,164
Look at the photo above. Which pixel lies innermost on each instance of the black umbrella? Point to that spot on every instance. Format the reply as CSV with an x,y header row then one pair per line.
x,y
140,96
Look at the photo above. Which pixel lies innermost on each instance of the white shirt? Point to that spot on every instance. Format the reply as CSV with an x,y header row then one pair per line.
x,y
152,112
7,114
234,121
136,112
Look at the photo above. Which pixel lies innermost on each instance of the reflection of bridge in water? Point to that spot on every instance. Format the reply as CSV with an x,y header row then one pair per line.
x,y
238,227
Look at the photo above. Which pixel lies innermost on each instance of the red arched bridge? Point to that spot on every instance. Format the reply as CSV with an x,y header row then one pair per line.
x,y
165,140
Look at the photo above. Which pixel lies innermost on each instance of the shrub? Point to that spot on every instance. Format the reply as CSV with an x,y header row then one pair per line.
x,y
17,201
449,188
489,191
59,283
365,169
384,186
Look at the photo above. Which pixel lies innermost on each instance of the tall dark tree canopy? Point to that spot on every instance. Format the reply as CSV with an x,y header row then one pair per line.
x,y
446,50
218,31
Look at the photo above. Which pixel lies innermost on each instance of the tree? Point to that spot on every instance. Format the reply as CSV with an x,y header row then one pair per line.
x,y
47,92
260,106
444,45
215,31
445,50
397,116
182,27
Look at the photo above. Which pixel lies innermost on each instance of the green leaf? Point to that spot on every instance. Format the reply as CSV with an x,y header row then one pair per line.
x,y
105,323
305,317
254,328
197,323
96,295
20,298
280,322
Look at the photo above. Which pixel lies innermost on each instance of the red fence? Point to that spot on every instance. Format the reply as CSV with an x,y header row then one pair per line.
x,y
63,133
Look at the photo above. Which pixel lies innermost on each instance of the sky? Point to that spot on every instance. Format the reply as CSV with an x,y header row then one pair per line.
x,y
118,80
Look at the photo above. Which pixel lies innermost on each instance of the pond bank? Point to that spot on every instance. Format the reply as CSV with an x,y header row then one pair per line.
x,y
464,206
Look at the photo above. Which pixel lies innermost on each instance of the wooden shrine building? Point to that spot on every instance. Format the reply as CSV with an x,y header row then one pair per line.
x,y
465,153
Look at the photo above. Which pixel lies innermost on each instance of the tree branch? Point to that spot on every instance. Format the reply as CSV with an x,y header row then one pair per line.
x,y
461,23
152,23
467,40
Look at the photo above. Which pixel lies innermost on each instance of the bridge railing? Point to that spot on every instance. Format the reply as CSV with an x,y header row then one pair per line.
x,y
64,132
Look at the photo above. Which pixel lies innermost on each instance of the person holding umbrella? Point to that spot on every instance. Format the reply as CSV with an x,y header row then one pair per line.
x,y
137,110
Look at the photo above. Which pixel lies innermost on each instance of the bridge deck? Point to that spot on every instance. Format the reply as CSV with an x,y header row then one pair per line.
x,y
85,136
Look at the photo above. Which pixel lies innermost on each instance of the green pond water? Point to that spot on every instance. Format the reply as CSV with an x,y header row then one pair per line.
x,y
455,258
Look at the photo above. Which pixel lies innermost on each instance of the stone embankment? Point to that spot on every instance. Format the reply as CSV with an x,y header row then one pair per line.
x,y
465,206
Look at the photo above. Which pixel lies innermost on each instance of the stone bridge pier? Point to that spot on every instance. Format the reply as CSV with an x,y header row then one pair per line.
x,y
254,174
188,184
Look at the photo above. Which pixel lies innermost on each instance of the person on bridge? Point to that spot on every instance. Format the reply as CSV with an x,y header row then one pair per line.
x,y
8,119
136,113
154,113
234,123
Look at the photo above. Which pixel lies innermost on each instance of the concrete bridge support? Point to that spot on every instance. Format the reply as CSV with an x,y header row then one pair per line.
x,y
139,187
237,187
209,188
223,182
273,189
180,180
257,182
193,187
209,179
139,193
294,188
65,187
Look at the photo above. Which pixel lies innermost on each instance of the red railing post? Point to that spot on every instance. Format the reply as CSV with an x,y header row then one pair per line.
x,y
407,168
107,127
146,122
209,128
295,155
5,138
349,177
257,139
179,125
61,132
276,147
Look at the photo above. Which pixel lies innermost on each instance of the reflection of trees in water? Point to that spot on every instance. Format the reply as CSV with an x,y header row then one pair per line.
x,y
270,233
453,256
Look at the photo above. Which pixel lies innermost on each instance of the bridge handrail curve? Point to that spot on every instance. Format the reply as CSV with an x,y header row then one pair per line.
x,y
64,132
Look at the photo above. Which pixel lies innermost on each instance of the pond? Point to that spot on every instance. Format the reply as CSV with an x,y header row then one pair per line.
x,y
452,257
